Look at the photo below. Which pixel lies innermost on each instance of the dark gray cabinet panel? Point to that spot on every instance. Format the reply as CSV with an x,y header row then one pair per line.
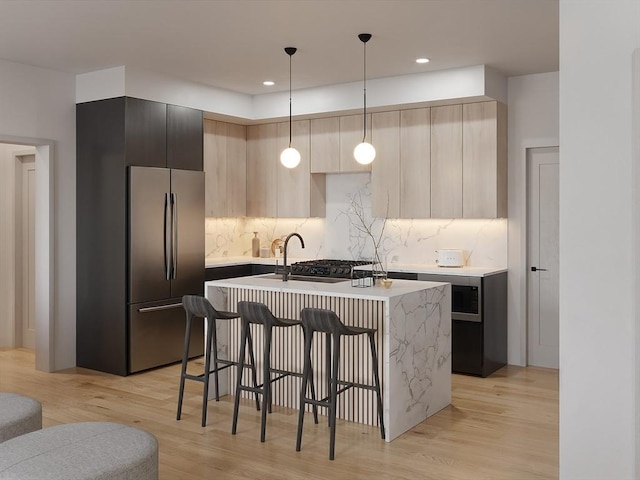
x,y
185,137
146,133
101,237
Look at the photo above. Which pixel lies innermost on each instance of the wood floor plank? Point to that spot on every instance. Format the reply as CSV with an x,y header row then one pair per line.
x,y
501,427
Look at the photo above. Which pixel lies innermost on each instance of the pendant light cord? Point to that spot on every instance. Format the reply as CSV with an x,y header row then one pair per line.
x,y
364,75
290,111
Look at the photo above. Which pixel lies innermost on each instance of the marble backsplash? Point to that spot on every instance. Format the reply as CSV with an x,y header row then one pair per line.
x,y
341,233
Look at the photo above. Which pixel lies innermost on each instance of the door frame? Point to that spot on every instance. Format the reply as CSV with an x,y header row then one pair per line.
x,y
45,258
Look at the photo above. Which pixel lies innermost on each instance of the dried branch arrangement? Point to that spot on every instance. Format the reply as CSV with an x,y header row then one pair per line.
x,y
366,227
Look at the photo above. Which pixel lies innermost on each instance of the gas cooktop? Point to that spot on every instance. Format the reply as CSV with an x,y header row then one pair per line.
x,y
327,268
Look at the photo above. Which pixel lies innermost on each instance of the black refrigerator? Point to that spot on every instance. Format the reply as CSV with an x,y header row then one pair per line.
x,y
166,261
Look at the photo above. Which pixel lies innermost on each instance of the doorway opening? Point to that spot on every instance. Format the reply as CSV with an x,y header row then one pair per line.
x,y
27,308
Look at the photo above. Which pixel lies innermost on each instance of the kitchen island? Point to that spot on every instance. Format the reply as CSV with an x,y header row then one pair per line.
x,y
413,322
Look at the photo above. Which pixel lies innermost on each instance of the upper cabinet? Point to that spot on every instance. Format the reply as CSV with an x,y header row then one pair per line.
x,y
145,129
184,138
299,193
385,172
225,166
484,160
160,135
435,162
446,161
332,142
415,163
274,190
262,146
350,136
325,145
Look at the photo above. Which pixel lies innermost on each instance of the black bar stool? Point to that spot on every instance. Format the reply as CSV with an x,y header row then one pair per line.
x,y
197,306
259,313
326,321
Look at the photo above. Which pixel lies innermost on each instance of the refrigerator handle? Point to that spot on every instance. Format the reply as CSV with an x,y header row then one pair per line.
x,y
174,233
167,238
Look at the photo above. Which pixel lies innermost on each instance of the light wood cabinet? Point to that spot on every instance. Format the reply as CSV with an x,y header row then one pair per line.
x,y
274,190
332,142
262,200
385,170
325,145
299,193
225,166
484,160
415,163
350,137
446,161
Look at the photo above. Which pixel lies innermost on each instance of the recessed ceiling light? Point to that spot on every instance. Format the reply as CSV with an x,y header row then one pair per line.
x,y
422,60
269,83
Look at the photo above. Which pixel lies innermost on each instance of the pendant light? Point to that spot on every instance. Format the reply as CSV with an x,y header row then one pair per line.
x,y
364,152
290,157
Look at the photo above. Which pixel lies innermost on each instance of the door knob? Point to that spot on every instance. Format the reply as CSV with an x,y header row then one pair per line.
x,y
536,269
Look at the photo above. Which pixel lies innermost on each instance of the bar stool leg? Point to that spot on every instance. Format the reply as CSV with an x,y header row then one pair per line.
x,y
207,369
266,383
236,403
183,370
334,396
376,378
306,372
212,324
252,358
327,372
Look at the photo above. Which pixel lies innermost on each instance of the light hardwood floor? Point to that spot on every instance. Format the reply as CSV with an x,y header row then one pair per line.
x,y
501,427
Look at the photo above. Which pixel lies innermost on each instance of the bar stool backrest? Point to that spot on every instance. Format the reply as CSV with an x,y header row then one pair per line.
x,y
322,320
256,312
198,306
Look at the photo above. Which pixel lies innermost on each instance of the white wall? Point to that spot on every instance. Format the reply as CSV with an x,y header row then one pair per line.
x,y
533,117
598,347
36,103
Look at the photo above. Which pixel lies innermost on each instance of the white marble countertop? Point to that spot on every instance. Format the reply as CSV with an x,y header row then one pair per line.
x,y
393,267
338,289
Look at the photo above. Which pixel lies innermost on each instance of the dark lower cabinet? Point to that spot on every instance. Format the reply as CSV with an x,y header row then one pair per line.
x,y
232,271
478,322
467,347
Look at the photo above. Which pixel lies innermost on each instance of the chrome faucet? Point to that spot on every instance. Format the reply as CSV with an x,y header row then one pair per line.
x,y
285,271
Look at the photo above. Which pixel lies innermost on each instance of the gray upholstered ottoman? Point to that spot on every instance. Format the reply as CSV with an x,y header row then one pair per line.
x,y
18,415
81,451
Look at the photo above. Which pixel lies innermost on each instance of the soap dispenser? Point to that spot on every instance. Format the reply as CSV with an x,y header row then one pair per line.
x,y
255,245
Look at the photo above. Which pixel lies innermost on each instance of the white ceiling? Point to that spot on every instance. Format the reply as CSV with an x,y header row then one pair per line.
x,y
236,44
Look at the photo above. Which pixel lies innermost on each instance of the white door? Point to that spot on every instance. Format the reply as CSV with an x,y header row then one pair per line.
x,y
28,252
543,259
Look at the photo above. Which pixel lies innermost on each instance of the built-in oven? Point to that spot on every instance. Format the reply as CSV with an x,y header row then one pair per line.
x,y
467,329
466,295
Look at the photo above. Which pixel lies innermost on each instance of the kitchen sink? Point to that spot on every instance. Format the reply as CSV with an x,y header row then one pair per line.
x,y
305,278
